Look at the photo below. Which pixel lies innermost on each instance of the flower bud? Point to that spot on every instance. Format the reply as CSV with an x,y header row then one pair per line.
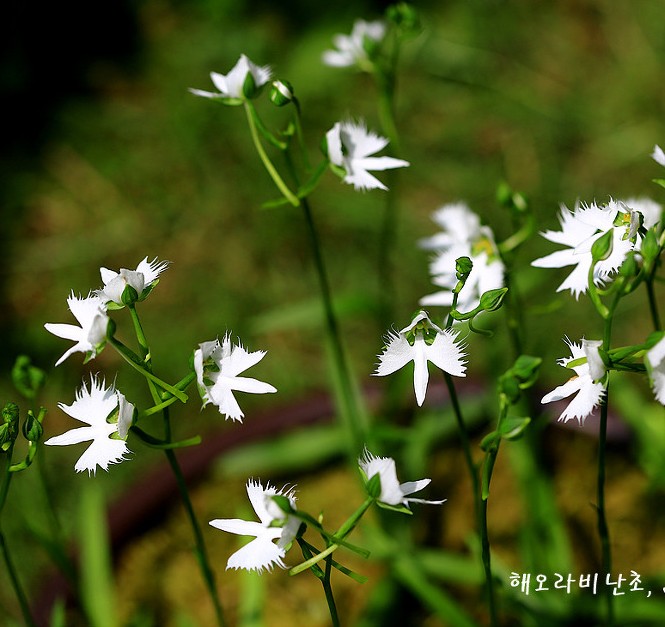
x,y
602,247
405,17
32,428
281,93
27,379
493,299
650,248
463,267
9,427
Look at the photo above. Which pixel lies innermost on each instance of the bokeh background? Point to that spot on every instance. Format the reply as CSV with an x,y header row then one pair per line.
x,y
107,158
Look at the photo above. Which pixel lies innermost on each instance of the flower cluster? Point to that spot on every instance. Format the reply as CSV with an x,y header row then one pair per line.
x,y
462,235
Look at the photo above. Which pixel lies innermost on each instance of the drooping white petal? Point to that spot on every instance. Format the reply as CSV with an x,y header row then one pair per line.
x,y
91,315
655,359
658,155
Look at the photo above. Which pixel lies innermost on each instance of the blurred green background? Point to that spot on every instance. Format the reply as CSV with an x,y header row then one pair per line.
x,y
107,158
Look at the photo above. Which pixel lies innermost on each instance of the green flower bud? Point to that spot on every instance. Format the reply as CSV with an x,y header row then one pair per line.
x,y
629,268
650,248
509,386
281,93
513,428
602,247
405,17
493,299
525,370
27,379
32,428
463,267
10,413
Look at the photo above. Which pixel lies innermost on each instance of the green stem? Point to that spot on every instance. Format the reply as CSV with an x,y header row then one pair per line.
x,y
9,563
277,179
137,364
480,505
653,305
200,551
353,418
327,588
341,533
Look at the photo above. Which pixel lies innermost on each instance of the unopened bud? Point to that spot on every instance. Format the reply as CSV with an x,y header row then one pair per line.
x,y
493,299
602,247
32,428
281,93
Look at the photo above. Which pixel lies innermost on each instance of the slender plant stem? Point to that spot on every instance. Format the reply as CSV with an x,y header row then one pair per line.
x,y
603,530
354,419
653,305
480,505
327,588
201,552
277,179
6,555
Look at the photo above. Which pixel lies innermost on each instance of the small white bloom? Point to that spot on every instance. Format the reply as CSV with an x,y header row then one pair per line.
x,y
143,280
231,85
392,491
658,155
349,147
420,342
597,367
587,393
462,235
655,361
351,48
217,368
274,524
90,337
94,406
579,230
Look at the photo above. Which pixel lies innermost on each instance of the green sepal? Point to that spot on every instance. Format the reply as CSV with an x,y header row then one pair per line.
x,y
129,295
602,247
510,387
249,88
373,486
283,503
147,289
512,428
526,369
660,182
27,379
402,509
649,248
490,440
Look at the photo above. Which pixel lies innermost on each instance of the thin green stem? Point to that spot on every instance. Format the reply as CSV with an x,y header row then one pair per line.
x,y
480,505
200,551
327,588
354,420
9,562
277,179
653,305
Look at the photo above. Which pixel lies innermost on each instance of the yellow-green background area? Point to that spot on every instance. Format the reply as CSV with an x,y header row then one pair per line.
x,y
108,159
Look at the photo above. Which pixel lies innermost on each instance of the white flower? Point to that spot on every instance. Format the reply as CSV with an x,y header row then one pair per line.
x,y
96,406
351,48
655,360
90,337
274,524
143,280
231,85
579,230
349,147
462,235
587,393
217,368
392,491
658,155
420,342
